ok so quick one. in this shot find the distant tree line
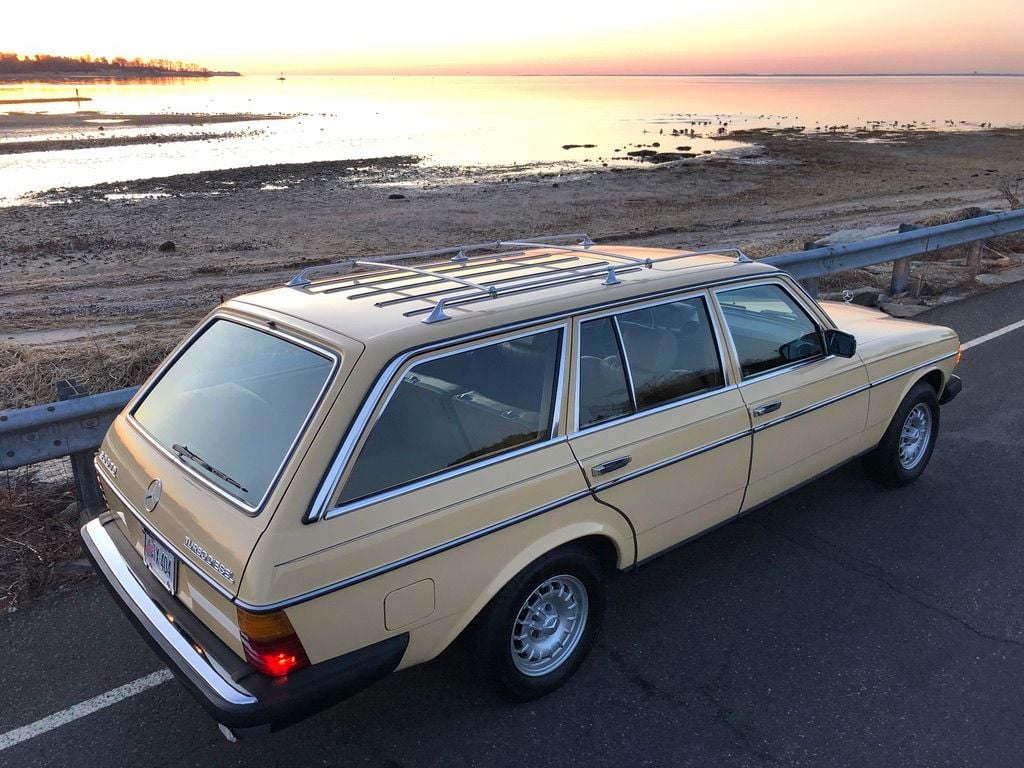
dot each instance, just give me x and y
(41, 63)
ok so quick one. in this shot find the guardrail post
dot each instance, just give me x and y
(87, 487)
(901, 267)
(974, 251)
(810, 284)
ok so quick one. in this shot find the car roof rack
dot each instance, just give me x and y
(447, 289)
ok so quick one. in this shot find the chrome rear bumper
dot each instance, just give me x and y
(231, 691)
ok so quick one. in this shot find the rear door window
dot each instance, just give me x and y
(645, 358)
(453, 410)
(671, 351)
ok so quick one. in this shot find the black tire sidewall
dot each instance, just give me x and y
(884, 462)
(495, 626)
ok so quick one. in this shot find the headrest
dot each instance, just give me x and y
(648, 349)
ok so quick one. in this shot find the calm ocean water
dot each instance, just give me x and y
(476, 121)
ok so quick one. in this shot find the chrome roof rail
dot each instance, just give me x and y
(550, 270)
(302, 279)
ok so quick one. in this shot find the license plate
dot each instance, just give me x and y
(161, 563)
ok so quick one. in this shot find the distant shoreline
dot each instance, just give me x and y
(47, 76)
(649, 74)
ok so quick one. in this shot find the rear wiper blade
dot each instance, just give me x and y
(183, 450)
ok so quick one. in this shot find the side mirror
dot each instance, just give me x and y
(841, 343)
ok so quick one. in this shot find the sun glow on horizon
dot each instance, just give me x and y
(534, 37)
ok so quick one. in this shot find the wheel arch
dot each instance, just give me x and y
(934, 378)
(591, 526)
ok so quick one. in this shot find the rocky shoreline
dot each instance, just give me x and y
(87, 272)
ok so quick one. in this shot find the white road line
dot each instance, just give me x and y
(57, 719)
(994, 335)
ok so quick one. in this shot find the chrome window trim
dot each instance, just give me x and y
(558, 400)
(505, 486)
(480, 533)
(784, 369)
(627, 370)
(317, 509)
(717, 336)
(414, 558)
(650, 411)
(674, 460)
(389, 380)
(222, 590)
(416, 485)
(249, 509)
(811, 315)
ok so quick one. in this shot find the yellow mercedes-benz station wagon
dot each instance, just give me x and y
(334, 479)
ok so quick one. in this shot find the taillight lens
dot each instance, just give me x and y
(270, 643)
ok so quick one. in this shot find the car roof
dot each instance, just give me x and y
(490, 291)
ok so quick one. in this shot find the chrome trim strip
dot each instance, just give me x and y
(133, 590)
(892, 376)
(674, 460)
(852, 392)
(563, 371)
(163, 539)
(656, 409)
(417, 485)
(317, 509)
(785, 369)
(810, 408)
(251, 510)
(415, 558)
(329, 486)
(626, 367)
(718, 336)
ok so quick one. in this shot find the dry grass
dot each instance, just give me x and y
(30, 374)
(38, 529)
(38, 537)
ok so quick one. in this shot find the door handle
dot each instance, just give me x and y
(610, 466)
(763, 410)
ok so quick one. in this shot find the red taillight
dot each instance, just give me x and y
(270, 643)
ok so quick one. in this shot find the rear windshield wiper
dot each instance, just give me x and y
(182, 450)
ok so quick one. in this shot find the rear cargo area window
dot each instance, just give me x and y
(457, 409)
(232, 404)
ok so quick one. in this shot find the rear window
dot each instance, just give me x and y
(233, 404)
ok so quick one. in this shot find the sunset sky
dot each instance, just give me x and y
(536, 36)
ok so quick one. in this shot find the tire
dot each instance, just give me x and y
(528, 655)
(907, 445)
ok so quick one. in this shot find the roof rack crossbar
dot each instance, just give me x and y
(434, 315)
(576, 248)
(301, 280)
(406, 297)
(488, 289)
(496, 267)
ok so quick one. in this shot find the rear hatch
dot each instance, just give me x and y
(192, 468)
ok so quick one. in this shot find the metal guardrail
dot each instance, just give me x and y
(44, 432)
(878, 250)
(75, 427)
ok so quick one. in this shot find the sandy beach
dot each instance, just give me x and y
(87, 293)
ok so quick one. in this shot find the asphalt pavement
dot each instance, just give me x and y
(844, 625)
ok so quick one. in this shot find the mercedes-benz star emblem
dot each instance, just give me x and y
(152, 497)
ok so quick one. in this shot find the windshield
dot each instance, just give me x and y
(233, 403)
